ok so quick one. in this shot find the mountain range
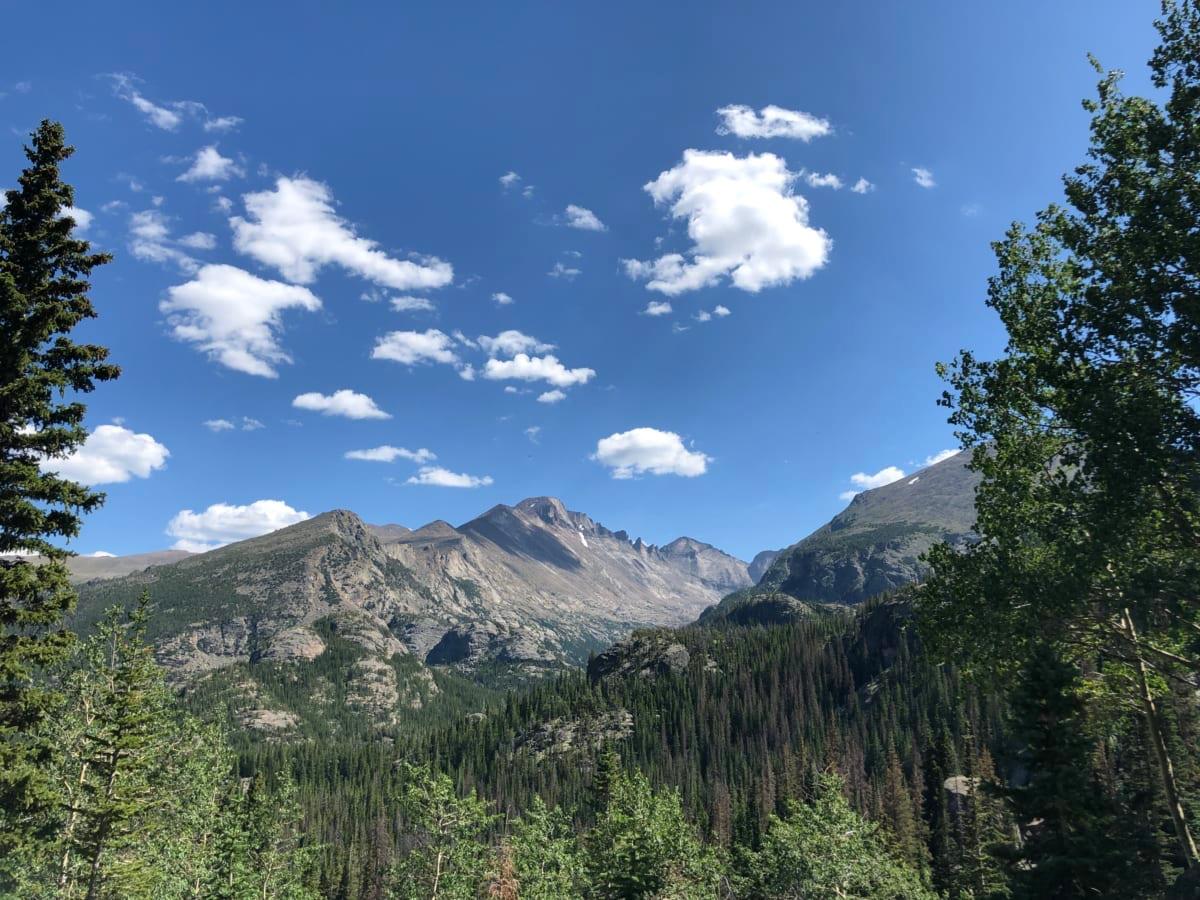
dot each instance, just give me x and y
(519, 591)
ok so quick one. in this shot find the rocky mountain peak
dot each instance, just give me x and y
(549, 509)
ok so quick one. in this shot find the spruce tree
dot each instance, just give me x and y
(44, 271)
(1072, 843)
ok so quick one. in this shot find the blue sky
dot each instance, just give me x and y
(365, 164)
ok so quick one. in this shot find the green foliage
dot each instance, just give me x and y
(546, 858)
(1077, 842)
(824, 849)
(643, 846)
(43, 296)
(447, 859)
(1086, 431)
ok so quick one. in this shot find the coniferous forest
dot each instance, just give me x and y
(1023, 723)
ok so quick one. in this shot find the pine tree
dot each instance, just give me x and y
(1072, 843)
(642, 846)
(44, 274)
(120, 752)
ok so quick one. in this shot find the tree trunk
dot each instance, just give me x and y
(1187, 845)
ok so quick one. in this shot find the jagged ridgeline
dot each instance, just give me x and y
(334, 625)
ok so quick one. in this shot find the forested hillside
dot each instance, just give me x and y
(979, 682)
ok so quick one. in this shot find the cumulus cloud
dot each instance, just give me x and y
(100, 554)
(345, 403)
(414, 347)
(721, 311)
(83, 218)
(862, 186)
(703, 316)
(436, 476)
(657, 308)
(223, 523)
(501, 298)
(744, 220)
(512, 342)
(553, 396)
(583, 218)
(818, 180)
(217, 425)
(509, 179)
(866, 482)
(387, 453)
(940, 456)
(234, 317)
(111, 454)
(648, 450)
(771, 122)
(210, 165)
(923, 177)
(296, 229)
(523, 367)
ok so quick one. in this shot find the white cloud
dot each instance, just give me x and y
(771, 122)
(561, 271)
(210, 165)
(657, 308)
(439, 477)
(532, 432)
(744, 220)
(111, 455)
(387, 453)
(100, 554)
(886, 475)
(234, 316)
(703, 316)
(848, 495)
(817, 180)
(199, 240)
(223, 523)
(721, 311)
(940, 456)
(642, 450)
(345, 403)
(150, 241)
(501, 298)
(169, 116)
(408, 303)
(463, 339)
(249, 424)
(414, 347)
(553, 396)
(512, 342)
(862, 186)
(159, 116)
(583, 218)
(296, 229)
(218, 425)
(222, 123)
(523, 367)
(923, 177)
(83, 218)
(223, 204)
(509, 179)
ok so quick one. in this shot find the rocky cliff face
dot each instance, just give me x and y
(875, 544)
(528, 588)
